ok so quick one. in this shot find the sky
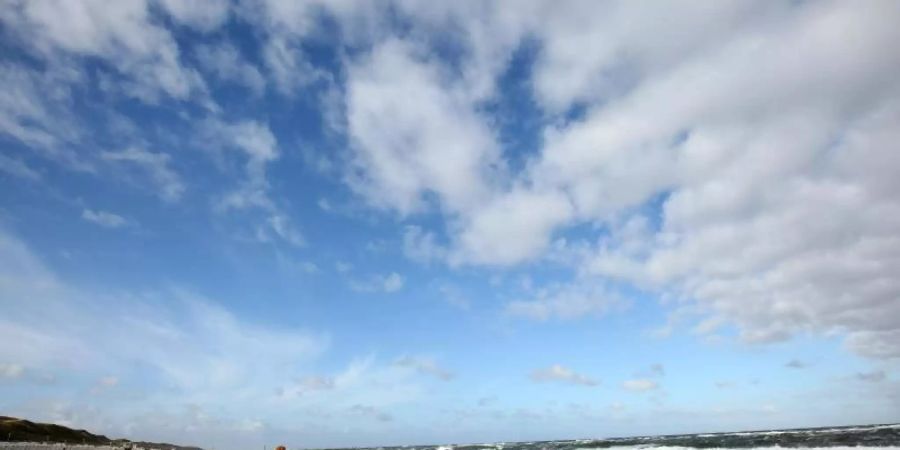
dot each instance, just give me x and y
(237, 223)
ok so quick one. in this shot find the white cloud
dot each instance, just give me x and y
(279, 225)
(640, 385)
(487, 34)
(287, 65)
(404, 149)
(204, 15)
(122, 33)
(156, 165)
(35, 110)
(566, 74)
(513, 228)
(779, 209)
(558, 373)
(765, 133)
(257, 145)
(743, 229)
(255, 142)
(875, 344)
(743, 161)
(104, 218)
(226, 62)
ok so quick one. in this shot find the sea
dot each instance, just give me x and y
(860, 437)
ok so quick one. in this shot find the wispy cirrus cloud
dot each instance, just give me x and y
(104, 218)
(156, 166)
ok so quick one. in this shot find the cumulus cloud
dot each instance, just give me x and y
(403, 149)
(777, 207)
(513, 228)
(558, 373)
(104, 218)
(744, 230)
(677, 122)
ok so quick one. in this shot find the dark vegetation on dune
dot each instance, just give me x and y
(21, 430)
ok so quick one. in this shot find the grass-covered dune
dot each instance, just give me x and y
(21, 430)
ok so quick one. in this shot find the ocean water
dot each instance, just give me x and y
(881, 437)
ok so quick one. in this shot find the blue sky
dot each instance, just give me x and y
(240, 223)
